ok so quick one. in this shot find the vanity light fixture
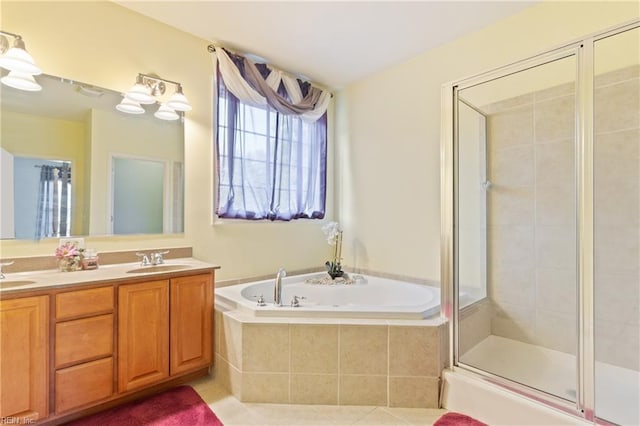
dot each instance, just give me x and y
(19, 63)
(147, 90)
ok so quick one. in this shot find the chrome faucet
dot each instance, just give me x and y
(156, 257)
(144, 259)
(277, 288)
(153, 258)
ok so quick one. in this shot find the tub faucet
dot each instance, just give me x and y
(277, 288)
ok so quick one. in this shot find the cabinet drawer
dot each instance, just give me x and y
(83, 339)
(84, 302)
(83, 384)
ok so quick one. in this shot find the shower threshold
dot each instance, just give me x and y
(617, 389)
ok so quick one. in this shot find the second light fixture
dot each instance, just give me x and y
(147, 90)
(20, 64)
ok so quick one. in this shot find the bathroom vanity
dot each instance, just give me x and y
(75, 343)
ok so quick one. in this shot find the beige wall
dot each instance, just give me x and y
(104, 44)
(388, 132)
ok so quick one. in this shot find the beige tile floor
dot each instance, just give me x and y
(235, 413)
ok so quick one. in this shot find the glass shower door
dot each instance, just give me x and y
(515, 226)
(617, 227)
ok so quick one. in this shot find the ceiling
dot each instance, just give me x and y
(332, 43)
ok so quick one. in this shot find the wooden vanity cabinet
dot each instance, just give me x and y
(191, 322)
(68, 352)
(83, 347)
(24, 359)
(164, 329)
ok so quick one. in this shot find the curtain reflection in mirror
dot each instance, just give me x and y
(48, 215)
(53, 219)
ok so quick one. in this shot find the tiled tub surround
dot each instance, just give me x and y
(306, 359)
(531, 220)
(395, 363)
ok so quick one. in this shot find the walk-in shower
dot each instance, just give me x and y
(541, 225)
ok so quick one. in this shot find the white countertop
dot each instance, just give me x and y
(52, 278)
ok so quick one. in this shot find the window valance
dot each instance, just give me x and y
(259, 84)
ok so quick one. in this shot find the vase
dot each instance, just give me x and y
(69, 264)
(336, 274)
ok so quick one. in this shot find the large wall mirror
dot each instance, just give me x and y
(74, 165)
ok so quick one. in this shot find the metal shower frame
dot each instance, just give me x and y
(583, 51)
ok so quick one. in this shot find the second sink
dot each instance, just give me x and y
(156, 268)
(14, 283)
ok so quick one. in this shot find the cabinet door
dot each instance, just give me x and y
(191, 322)
(143, 334)
(24, 358)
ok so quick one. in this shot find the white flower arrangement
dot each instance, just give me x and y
(334, 238)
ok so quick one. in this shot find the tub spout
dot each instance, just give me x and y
(277, 288)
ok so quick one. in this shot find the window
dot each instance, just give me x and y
(270, 165)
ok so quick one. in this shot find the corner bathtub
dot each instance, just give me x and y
(367, 297)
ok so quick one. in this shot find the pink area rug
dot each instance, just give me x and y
(176, 407)
(457, 419)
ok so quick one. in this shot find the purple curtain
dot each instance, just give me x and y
(270, 165)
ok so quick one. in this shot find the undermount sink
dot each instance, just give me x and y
(156, 268)
(14, 283)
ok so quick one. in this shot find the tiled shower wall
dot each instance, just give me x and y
(531, 238)
(617, 217)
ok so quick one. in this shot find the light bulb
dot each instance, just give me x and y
(141, 94)
(130, 107)
(166, 113)
(178, 101)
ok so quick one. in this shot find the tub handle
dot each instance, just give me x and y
(295, 302)
(261, 301)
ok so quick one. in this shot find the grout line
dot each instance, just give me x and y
(339, 364)
(388, 362)
(613, 83)
(289, 372)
